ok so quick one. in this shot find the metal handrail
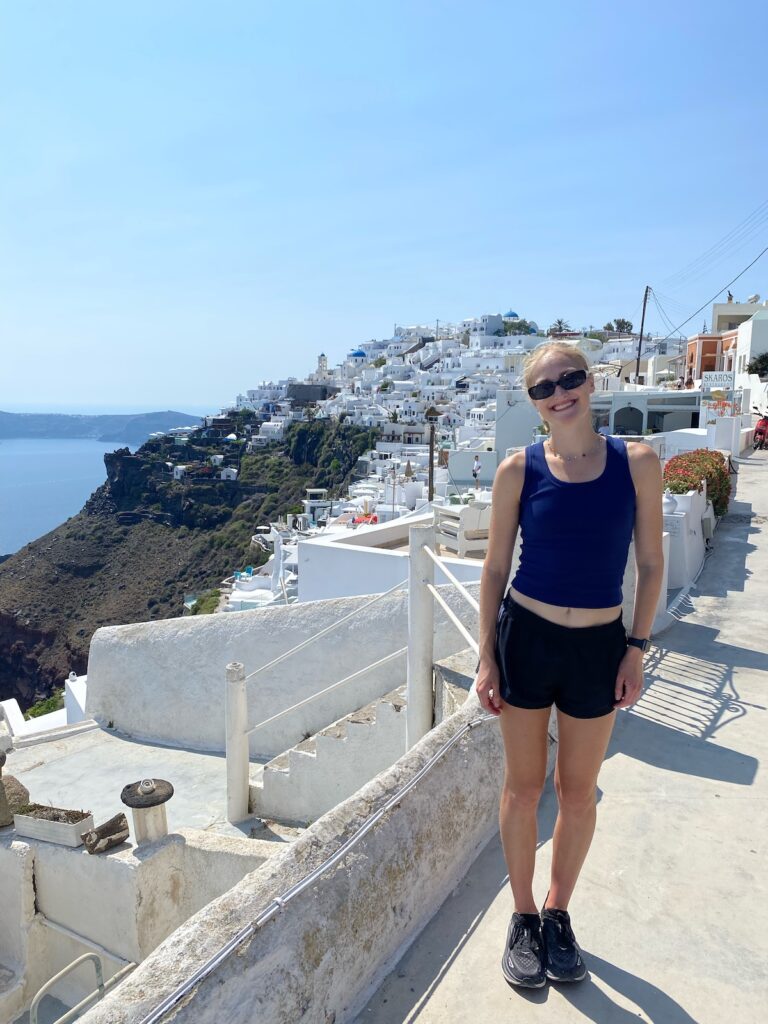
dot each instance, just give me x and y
(109, 984)
(328, 689)
(447, 572)
(279, 902)
(453, 617)
(99, 992)
(328, 629)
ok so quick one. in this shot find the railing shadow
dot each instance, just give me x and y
(691, 696)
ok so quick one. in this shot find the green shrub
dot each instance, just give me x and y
(207, 603)
(685, 472)
(53, 703)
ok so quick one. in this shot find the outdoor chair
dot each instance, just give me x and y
(463, 528)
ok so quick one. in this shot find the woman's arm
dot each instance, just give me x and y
(649, 560)
(505, 510)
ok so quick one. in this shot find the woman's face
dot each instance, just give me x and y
(563, 407)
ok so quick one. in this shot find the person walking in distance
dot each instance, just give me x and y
(476, 467)
(557, 637)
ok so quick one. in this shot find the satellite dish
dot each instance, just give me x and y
(753, 298)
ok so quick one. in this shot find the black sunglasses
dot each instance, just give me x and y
(567, 381)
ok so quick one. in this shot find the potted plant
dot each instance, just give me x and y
(52, 824)
(701, 471)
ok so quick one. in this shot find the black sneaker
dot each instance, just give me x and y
(563, 957)
(523, 960)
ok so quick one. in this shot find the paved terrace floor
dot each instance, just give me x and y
(89, 770)
(671, 905)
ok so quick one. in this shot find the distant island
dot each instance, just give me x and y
(133, 428)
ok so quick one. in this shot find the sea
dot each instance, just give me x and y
(43, 483)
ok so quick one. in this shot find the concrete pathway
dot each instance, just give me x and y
(671, 905)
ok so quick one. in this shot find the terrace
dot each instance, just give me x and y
(395, 928)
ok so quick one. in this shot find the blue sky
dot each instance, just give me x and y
(197, 196)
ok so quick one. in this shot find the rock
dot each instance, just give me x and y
(12, 795)
(16, 794)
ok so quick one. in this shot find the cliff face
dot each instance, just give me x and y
(87, 573)
(143, 541)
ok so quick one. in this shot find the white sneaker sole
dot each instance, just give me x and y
(517, 982)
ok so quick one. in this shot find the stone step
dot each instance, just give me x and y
(454, 679)
(309, 779)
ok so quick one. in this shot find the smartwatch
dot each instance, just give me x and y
(633, 641)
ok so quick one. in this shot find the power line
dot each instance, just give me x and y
(674, 304)
(661, 311)
(724, 259)
(721, 290)
(738, 236)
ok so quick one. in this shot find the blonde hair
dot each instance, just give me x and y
(549, 348)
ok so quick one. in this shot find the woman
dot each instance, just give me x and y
(557, 637)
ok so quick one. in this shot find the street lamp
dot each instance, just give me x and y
(432, 416)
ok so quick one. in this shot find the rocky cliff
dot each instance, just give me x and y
(144, 540)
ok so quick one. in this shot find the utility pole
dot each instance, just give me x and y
(642, 328)
(431, 474)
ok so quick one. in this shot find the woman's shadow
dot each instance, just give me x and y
(596, 1004)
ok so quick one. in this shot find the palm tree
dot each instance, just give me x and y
(559, 327)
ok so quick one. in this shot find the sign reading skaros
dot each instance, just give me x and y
(712, 379)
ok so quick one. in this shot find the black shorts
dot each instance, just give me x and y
(541, 663)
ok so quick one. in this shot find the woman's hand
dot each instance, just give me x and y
(629, 679)
(487, 687)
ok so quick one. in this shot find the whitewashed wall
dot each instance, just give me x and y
(164, 681)
(460, 463)
(17, 910)
(319, 959)
(343, 566)
(127, 901)
(516, 419)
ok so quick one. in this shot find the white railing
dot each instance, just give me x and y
(422, 595)
(236, 708)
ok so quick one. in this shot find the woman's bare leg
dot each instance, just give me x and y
(581, 747)
(525, 751)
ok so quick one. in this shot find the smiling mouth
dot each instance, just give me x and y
(562, 405)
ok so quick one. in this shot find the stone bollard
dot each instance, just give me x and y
(147, 801)
(6, 818)
(236, 713)
(421, 626)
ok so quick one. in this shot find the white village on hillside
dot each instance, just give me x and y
(309, 783)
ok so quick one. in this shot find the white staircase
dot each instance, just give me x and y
(321, 771)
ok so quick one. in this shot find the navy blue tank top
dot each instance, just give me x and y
(575, 537)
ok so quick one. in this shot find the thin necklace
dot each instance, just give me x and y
(581, 455)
